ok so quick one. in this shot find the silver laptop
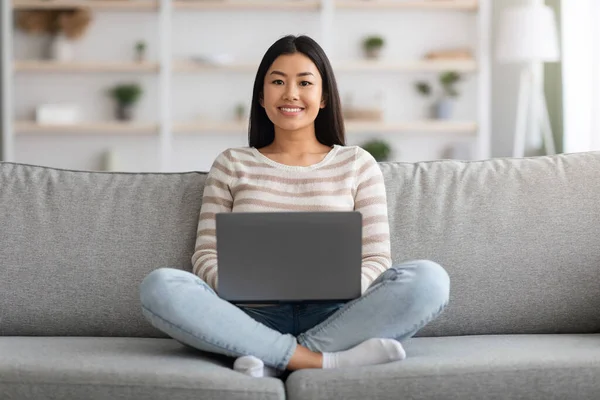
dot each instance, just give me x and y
(277, 257)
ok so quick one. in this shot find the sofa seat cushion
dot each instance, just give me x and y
(468, 367)
(121, 368)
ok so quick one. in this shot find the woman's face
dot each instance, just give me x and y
(292, 92)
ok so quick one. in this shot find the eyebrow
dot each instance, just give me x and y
(285, 75)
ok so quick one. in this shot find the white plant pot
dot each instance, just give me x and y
(62, 49)
(444, 108)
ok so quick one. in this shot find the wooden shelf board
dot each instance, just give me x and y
(53, 66)
(264, 5)
(184, 66)
(109, 5)
(405, 66)
(24, 127)
(349, 66)
(459, 5)
(433, 126)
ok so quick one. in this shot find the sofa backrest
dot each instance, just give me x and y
(75, 245)
(520, 239)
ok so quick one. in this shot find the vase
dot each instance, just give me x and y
(443, 108)
(373, 53)
(124, 112)
(61, 49)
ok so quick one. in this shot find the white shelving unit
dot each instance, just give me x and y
(166, 68)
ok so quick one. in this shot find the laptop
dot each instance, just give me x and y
(281, 257)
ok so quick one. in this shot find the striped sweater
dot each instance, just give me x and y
(245, 180)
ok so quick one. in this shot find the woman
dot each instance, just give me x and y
(297, 161)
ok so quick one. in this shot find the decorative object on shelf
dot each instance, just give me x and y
(363, 114)
(372, 46)
(64, 27)
(240, 112)
(140, 51)
(110, 161)
(379, 149)
(350, 111)
(61, 114)
(528, 37)
(125, 95)
(450, 54)
(442, 108)
(214, 59)
(445, 104)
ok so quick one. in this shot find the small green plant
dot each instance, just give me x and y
(379, 149)
(240, 111)
(140, 50)
(448, 80)
(373, 42)
(126, 94)
(140, 46)
(423, 87)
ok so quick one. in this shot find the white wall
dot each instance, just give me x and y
(213, 95)
(505, 81)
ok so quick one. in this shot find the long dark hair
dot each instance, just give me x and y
(329, 125)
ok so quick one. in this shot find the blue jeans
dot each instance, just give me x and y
(397, 304)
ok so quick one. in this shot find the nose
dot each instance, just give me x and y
(291, 93)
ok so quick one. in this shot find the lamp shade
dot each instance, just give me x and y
(527, 33)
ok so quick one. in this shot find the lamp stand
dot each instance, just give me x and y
(531, 103)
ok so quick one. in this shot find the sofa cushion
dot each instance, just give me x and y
(121, 368)
(477, 367)
(520, 239)
(75, 245)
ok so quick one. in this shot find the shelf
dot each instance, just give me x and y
(53, 66)
(108, 5)
(459, 5)
(405, 66)
(263, 5)
(185, 66)
(193, 67)
(456, 127)
(426, 126)
(24, 127)
(349, 66)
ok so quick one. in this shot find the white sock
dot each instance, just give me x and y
(252, 366)
(369, 352)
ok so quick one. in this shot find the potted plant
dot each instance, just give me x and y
(373, 45)
(125, 95)
(140, 51)
(240, 112)
(444, 105)
(442, 108)
(379, 149)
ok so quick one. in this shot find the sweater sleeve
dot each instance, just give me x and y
(216, 198)
(371, 201)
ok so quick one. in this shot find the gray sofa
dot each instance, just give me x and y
(520, 239)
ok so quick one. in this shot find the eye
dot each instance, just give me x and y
(305, 83)
(277, 82)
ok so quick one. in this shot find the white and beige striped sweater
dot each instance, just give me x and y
(245, 180)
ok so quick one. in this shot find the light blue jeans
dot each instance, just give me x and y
(399, 302)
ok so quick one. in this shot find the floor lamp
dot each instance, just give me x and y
(528, 36)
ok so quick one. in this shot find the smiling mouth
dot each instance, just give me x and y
(290, 110)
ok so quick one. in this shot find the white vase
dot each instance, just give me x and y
(61, 49)
(444, 108)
